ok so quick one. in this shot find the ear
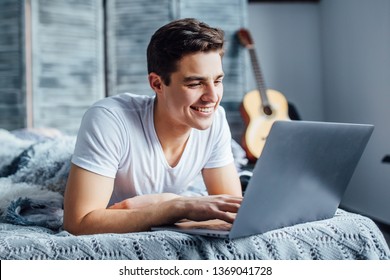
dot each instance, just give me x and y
(155, 82)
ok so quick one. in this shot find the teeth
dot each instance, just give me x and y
(203, 109)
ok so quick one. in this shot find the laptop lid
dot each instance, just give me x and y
(301, 176)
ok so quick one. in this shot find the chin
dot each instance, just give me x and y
(203, 126)
(202, 122)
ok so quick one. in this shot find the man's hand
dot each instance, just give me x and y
(223, 207)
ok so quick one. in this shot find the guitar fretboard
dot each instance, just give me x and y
(259, 77)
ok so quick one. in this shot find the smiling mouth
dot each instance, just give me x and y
(203, 109)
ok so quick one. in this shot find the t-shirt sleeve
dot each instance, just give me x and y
(99, 142)
(221, 154)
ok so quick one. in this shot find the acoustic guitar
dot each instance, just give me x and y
(260, 108)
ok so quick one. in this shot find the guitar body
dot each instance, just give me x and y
(258, 124)
(260, 108)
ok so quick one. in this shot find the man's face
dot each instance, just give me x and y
(195, 90)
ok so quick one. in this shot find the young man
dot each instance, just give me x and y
(135, 154)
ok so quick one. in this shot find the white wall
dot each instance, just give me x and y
(356, 68)
(287, 42)
(332, 60)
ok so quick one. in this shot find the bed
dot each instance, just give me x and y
(33, 170)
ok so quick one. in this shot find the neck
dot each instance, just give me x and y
(173, 138)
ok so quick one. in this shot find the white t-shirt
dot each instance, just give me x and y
(117, 139)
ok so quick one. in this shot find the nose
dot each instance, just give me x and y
(211, 93)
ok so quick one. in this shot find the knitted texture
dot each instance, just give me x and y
(345, 236)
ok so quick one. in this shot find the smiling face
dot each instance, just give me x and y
(193, 94)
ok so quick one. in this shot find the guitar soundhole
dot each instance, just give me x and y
(267, 110)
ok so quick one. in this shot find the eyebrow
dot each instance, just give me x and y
(199, 78)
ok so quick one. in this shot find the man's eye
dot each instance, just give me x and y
(217, 82)
(194, 85)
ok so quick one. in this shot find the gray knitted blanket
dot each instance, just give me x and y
(33, 172)
(346, 236)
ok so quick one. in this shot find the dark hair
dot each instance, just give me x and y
(178, 38)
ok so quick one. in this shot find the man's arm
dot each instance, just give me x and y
(222, 180)
(87, 195)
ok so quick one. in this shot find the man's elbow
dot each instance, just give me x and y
(71, 226)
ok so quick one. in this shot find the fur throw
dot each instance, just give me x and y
(33, 174)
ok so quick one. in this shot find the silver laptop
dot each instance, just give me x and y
(301, 176)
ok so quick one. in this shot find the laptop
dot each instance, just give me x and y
(301, 176)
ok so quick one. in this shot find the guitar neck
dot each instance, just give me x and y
(259, 78)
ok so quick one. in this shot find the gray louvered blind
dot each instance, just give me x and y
(230, 15)
(12, 94)
(132, 23)
(68, 54)
(68, 60)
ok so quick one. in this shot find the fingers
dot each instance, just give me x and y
(228, 208)
(231, 207)
(226, 216)
(225, 197)
(221, 207)
(227, 203)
